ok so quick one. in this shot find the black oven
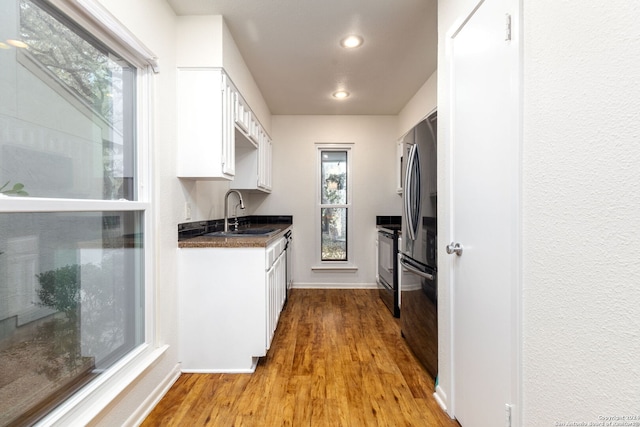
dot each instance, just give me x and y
(387, 269)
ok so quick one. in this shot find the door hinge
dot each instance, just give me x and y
(507, 28)
(507, 414)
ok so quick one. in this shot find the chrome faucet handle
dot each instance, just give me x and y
(235, 215)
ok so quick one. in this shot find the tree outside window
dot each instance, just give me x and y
(334, 205)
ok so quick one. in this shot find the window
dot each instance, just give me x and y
(334, 202)
(72, 216)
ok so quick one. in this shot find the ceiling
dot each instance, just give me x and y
(292, 48)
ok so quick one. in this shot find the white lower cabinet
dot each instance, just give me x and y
(276, 291)
(230, 301)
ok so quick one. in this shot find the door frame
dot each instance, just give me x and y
(445, 392)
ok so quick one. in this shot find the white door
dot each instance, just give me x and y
(484, 200)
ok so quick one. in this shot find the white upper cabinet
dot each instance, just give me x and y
(253, 165)
(255, 130)
(264, 162)
(206, 115)
(243, 114)
(219, 138)
(218, 132)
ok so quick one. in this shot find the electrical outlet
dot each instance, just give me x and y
(187, 211)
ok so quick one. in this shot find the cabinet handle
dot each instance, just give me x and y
(455, 248)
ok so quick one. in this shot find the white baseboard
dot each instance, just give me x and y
(336, 286)
(441, 398)
(250, 370)
(143, 411)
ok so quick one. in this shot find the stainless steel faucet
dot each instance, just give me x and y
(226, 209)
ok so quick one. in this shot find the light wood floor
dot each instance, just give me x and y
(337, 359)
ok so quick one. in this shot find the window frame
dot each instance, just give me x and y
(90, 400)
(333, 264)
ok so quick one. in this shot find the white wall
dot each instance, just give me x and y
(419, 107)
(294, 188)
(581, 211)
(199, 41)
(243, 79)
(580, 217)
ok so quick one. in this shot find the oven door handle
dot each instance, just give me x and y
(385, 234)
(415, 270)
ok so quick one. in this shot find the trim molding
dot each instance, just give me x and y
(94, 14)
(335, 286)
(441, 398)
(139, 415)
(337, 268)
(94, 398)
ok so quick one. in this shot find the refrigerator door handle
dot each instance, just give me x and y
(412, 192)
(407, 192)
(414, 270)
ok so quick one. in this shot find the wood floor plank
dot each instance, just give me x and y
(337, 359)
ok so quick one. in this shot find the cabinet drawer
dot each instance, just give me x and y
(273, 252)
(270, 257)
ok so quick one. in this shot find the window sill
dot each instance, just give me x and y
(81, 408)
(338, 268)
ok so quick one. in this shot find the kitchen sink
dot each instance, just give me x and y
(247, 232)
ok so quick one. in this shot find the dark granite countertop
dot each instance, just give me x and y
(192, 235)
(236, 242)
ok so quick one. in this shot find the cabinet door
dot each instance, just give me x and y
(254, 131)
(264, 162)
(228, 129)
(243, 114)
(276, 295)
(282, 282)
(268, 166)
(270, 282)
(205, 143)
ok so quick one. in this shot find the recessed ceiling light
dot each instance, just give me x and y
(351, 42)
(4, 46)
(341, 94)
(17, 43)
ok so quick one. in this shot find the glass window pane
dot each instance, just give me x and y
(67, 109)
(71, 302)
(334, 177)
(334, 234)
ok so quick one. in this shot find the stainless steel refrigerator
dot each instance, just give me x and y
(418, 251)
